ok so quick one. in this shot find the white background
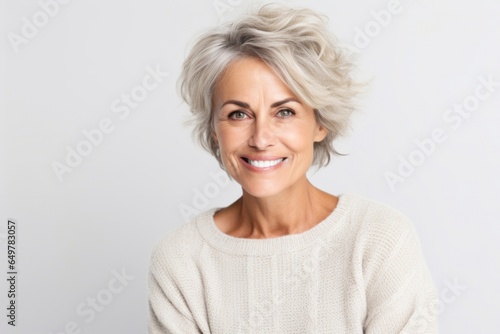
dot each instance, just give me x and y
(133, 187)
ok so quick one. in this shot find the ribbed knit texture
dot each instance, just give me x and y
(359, 271)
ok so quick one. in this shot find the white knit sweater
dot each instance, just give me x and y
(359, 271)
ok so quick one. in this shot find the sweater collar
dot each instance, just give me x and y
(319, 234)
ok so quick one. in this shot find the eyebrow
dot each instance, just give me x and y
(246, 105)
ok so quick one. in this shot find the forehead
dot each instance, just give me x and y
(249, 77)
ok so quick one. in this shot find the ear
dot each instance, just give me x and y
(321, 133)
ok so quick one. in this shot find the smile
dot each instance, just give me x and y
(263, 163)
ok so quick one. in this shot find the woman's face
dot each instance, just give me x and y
(264, 132)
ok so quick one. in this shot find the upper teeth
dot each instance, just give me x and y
(264, 163)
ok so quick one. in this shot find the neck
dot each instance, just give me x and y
(294, 211)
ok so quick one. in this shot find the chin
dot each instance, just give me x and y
(262, 190)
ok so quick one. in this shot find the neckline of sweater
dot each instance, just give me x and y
(321, 234)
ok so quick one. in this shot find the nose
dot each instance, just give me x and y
(262, 135)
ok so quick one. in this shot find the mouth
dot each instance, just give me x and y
(263, 163)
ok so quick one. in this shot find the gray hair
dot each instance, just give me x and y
(298, 46)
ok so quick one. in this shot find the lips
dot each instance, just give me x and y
(267, 163)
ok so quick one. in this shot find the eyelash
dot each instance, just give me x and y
(292, 113)
(232, 114)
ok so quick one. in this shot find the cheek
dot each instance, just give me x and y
(225, 138)
(230, 140)
(299, 138)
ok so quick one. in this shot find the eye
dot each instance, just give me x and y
(237, 115)
(285, 113)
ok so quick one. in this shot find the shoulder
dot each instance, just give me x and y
(385, 241)
(374, 216)
(378, 226)
(182, 244)
(389, 266)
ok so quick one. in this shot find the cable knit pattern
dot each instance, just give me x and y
(360, 270)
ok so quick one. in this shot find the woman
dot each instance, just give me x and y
(270, 92)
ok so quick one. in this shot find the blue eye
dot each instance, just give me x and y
(237, 115)
(285, 113)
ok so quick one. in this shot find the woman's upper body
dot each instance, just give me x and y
(358, 271)
(270, 92)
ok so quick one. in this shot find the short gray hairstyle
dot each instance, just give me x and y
(298, 46)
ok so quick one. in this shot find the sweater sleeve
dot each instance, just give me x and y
(164, 316)
(169, 312)
(400, 294)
